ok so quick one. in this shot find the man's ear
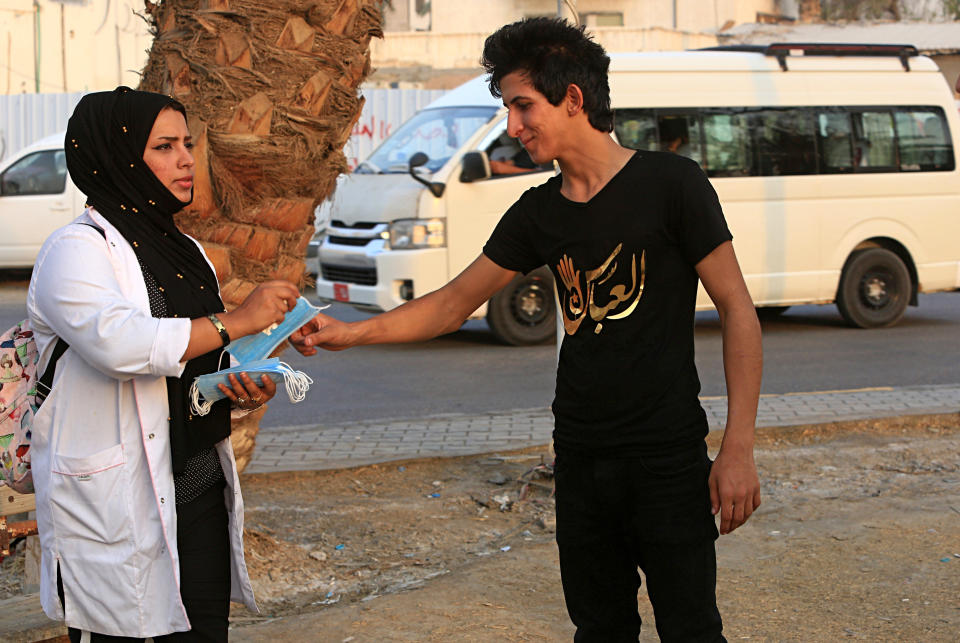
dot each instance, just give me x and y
(574, 99)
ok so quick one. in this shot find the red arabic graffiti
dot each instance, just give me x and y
(372, 128)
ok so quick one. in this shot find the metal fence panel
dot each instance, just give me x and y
(25, 118)
(384, 111)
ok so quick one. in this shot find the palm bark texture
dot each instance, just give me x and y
(271, 89)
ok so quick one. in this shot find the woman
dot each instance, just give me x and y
(138, 501)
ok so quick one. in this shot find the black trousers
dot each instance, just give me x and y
(203, 543)
(651, 512)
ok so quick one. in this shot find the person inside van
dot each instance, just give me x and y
(627, 234)
(507, 156)
(138, 500)
(674, 136)
(935, 151)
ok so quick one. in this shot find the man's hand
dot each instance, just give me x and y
(734, 486)
(323, 331)
(437, 312)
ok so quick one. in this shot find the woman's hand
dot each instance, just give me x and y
(264, 306)
(246, 394)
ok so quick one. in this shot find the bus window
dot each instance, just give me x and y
(924, 141)
(784, 141)
(680, 134)
(636, 128)
(833, 136)
(728, 148)
(873, 148)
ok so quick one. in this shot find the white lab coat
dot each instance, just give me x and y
(100, 446)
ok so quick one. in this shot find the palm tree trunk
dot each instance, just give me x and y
(271, 93)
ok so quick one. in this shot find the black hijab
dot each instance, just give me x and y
(105, 141)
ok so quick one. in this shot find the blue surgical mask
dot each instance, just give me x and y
(259, 346)
(297, 383)
(252, 353)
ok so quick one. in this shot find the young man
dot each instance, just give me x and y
(627, 234)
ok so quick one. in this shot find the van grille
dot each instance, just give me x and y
(348, 241)
(359, 225)
(349, 274)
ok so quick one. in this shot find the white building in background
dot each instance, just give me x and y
(459, 16)
(71, 45)
(437, 43)
(89, 45)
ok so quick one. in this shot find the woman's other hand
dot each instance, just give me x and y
(246, 394)
(264, 306)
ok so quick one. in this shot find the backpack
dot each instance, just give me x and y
(21, 394)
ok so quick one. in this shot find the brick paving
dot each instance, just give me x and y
(315, 447)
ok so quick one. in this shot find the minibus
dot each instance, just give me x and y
(835, 166)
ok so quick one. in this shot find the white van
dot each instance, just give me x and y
(391, 238)
(835, 165)
(36, 197)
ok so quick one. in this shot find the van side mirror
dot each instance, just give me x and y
(476, 167)
(418, 159)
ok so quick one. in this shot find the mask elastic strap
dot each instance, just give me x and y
(297, 383)
(196, 406)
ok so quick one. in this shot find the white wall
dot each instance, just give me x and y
(462, 50)
(100, 44)
(460, 16)
(93, 45)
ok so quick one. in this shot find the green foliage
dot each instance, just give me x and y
(862, 9)
(951, 9)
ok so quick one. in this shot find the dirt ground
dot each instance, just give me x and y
(858, 537)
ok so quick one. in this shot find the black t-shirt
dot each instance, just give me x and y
(624, 269)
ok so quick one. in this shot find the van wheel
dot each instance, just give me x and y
(874, 289)
(524, 313)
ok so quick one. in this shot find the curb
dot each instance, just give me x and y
(361, 443)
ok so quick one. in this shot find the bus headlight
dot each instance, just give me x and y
(406, 234)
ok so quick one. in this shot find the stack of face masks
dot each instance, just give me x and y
(252, 354)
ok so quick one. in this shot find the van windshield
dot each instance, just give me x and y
(438, 133)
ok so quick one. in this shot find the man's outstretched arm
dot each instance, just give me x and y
(436, 313)
(734, 485)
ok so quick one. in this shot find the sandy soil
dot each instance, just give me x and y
(858, 537)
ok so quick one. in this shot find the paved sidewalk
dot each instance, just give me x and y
(314, 447)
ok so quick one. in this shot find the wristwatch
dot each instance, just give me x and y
(224, 335)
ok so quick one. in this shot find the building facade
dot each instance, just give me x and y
(459, 16)
(71, 45)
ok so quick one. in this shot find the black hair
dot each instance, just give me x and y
(176, 106)
(553, 54)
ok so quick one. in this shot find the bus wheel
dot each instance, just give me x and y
(874, 289)
(523, 312)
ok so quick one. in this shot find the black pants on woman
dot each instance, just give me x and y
(203, 543)
(653, 512)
